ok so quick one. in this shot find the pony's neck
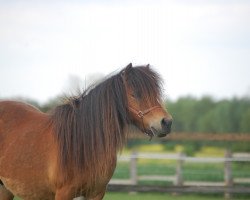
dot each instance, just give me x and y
(90, 130)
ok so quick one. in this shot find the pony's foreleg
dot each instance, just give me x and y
(5, 194)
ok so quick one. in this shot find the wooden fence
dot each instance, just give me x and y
(179, 184)
(225, 137)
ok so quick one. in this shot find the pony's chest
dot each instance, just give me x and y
(30, 190)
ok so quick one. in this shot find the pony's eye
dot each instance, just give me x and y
(133, 95)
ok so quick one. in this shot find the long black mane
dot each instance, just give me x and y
(90, 128)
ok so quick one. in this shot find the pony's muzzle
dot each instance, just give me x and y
(162, 128)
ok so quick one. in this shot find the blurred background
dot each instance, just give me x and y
(200, 48)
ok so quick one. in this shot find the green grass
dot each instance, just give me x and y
(158, 196)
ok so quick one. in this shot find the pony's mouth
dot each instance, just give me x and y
(158, 133)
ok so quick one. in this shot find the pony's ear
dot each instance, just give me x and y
(126, 70)
(129, 66)
(147, 66)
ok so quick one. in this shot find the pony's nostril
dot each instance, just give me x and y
(166, 123)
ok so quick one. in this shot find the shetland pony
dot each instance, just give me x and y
(71, 151)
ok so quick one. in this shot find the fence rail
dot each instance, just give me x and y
(179, 184)
(225, 137)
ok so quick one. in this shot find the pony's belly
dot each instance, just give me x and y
(28, 191)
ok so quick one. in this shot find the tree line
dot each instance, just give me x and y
(210, 116)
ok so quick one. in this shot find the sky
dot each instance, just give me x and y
(198, 47)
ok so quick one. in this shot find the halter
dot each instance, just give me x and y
(141, 115)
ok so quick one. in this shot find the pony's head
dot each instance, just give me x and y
(144, 96)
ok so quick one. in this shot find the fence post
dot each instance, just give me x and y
(179, 176)
(133, 168)
(228, 178)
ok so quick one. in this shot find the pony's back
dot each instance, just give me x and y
(14, 115)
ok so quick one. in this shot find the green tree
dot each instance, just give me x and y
(183, 113)
(207, 115)
(245, 122)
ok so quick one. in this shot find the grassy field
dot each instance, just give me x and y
(152, 196)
